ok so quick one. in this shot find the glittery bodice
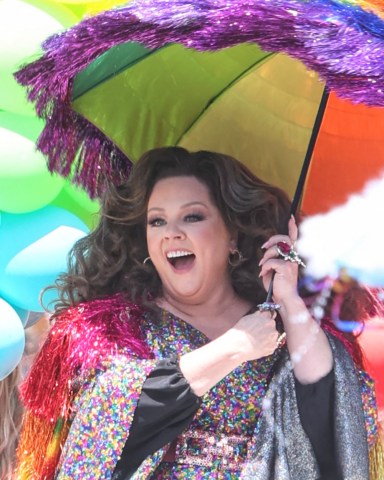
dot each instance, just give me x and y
(232, 407)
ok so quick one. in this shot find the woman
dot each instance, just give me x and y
(164, 362)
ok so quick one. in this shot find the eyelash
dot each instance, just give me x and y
(156, 222)
(159, 222)
(198, 217)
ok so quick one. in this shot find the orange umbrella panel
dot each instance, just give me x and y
(349, 152)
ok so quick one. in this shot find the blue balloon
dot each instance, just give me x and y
(34, 248)
(23, 314)
(17, 231)
(12, 339)
(36, 267)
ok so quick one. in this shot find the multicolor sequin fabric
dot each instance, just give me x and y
(231, 408)
(231, 424)
(104, 414)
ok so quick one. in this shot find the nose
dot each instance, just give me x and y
(173, 231)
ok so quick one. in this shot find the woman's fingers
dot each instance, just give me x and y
(260, 334)
(290, 238)
(292, 230)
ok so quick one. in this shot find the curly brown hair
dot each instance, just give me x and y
(110, 259)
(11, 411)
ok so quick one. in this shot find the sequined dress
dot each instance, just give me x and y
(228, 412)
(92, 374)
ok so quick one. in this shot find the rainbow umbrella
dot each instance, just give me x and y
(274, 84)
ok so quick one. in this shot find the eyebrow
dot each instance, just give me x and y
(186, 205)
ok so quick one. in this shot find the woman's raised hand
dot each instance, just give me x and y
(286, 272)
(307, 343)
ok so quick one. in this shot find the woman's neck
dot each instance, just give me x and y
(212, 317)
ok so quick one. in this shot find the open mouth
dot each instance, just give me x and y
(180, 259)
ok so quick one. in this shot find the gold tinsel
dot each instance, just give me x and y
(376, 461)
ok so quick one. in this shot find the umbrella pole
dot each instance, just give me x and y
(268, 304)
(308, 156)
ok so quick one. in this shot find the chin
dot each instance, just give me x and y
(187, 295)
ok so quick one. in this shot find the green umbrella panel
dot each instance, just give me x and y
(242, 101)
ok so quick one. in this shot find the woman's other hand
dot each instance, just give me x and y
(255, 335)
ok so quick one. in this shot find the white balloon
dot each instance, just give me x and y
(12, 339)
(25, 182)
(23, 28)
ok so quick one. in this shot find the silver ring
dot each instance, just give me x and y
(288, 253)
(268, 307)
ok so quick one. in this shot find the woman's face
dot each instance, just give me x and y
(188, 241)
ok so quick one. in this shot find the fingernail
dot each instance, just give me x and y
(261, 262)
(264, 245)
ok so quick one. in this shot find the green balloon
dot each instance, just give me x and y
(29, 127)
(23, 27)
(13, 96)
(81, 198)
(64, 14)
(25, 182)
(89, 215)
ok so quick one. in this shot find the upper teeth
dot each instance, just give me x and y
(178, 253)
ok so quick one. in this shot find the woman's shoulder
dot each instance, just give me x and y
(98, 308)
(80, 340)
(101, 325)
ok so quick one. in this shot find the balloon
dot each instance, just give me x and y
(23, 314)
(23, 27)
(25, 182)
(19, 231)
(81, 197)
(93, 1)
(33, 252)
(64, 14)
(77, 201)
(29, 127)
(12, 339)
(37, 267)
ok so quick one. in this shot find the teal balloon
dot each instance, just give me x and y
(12, 339)
(34, 252)
(25, 182)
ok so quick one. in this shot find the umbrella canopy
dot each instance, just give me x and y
(155, 73)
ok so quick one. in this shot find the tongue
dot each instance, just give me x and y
(183, 262)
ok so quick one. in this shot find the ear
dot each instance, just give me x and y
(232, 244)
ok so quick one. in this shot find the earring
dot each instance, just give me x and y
(236, 259)
(146, 260)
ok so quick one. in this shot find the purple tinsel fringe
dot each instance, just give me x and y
(339, 40)
(76, 148)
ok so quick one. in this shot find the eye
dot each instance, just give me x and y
(156, 222)
(194, 217)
